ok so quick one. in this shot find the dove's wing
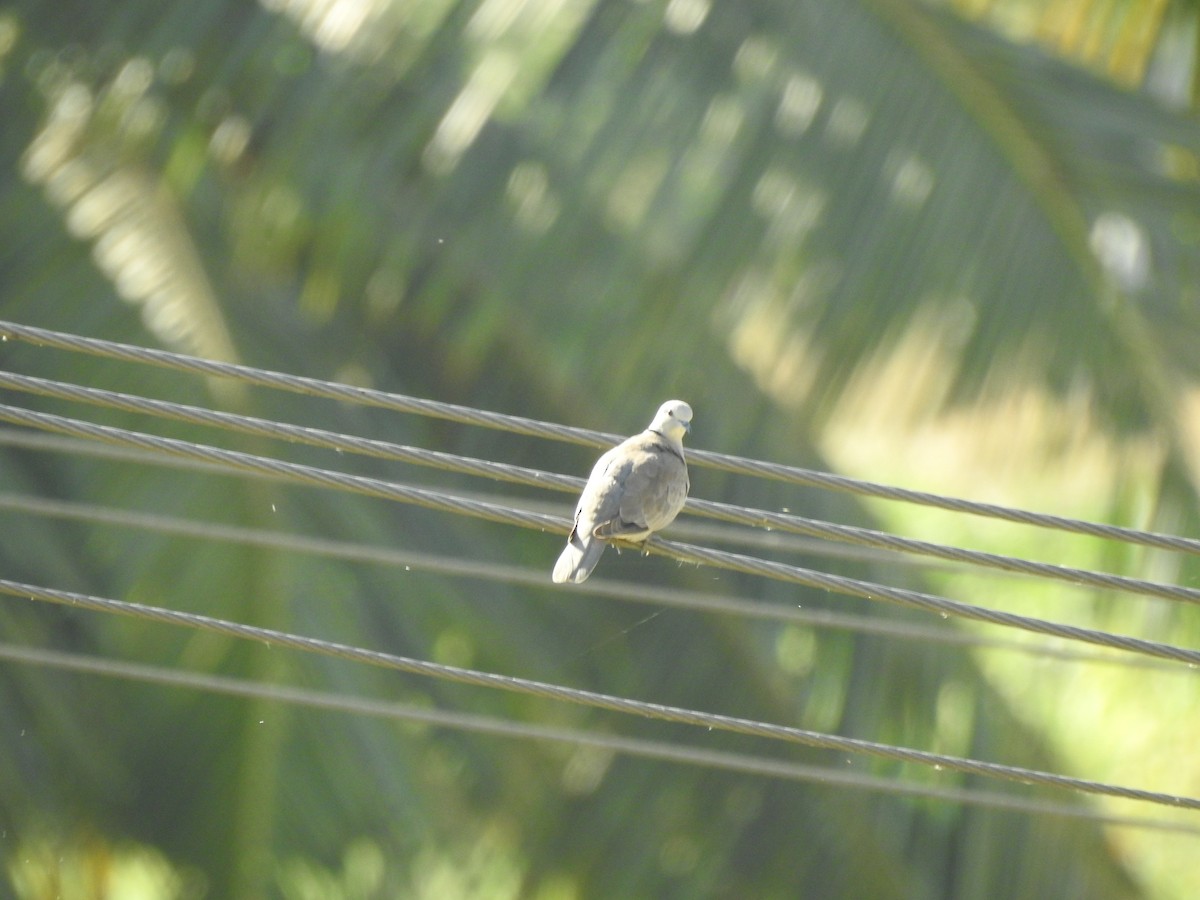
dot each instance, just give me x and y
(601, 499)
(651, 484)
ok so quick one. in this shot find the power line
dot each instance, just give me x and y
(453, 503)
(536, 578)
(742, 763)
(80, 447)
(225, 461)
(523, 475)
(521, 425)
(679, 715)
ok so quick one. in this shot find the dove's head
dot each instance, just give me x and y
(673, 420)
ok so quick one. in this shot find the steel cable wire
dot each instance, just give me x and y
(522, 425)
(758, 518)
(743, 763)
(593, 699)
(453, 503)
(683, 552)
(526, 576)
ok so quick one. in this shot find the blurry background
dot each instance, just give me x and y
(952, 246)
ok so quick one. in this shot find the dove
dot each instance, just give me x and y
(636, 488)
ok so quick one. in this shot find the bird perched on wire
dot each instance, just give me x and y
(636, 488)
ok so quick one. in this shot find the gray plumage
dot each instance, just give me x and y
(636, 488)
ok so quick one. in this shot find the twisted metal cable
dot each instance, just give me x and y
(299, 434)
(758, 518)
(521, 425)
(464, 567)
(743, 763)
(594, 699)
(430, 499)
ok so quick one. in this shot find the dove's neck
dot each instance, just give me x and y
(675, 442)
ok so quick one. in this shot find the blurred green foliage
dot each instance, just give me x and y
(566, 210)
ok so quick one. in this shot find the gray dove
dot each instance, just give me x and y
(636, 488)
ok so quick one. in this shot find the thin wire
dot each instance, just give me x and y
(521, 425)
(742, 763)
(724, 512)
(758, 539)
(54, 443)
(464, 567)
(593, 699)
(758, 518)
(452, 503)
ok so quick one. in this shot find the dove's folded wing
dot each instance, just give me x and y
(655, 488)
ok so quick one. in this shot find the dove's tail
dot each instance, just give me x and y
(577, 560)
